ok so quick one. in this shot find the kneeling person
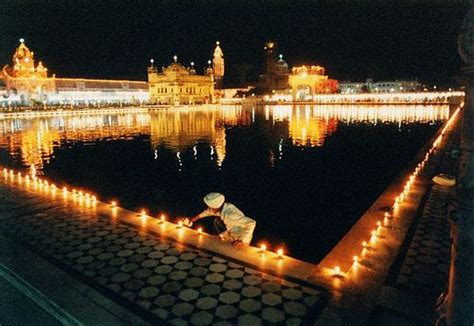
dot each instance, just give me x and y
(230, 222)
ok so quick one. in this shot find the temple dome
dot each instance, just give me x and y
(176, 67)
(282, 62)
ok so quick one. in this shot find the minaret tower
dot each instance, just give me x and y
(218, 65)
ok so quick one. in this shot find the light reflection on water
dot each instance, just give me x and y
(274, 161)
(35, 139)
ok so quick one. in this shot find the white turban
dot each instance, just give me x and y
(214, 200)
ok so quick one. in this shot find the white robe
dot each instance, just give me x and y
(239, 226)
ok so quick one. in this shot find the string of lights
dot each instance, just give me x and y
(399, 200)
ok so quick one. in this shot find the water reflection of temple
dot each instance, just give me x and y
(34, 140)
(310, 125)
(181, 129)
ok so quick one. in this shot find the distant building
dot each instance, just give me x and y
(306, 81)
(177, 84)
(218, 66)
(26, 83)
(369, 86)
(276, 72)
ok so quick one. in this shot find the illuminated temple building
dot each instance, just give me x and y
(177, 84)
(306, 81)
(27, 83)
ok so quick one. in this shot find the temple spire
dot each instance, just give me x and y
(218, 65)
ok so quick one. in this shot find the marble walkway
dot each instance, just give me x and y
(156, 278)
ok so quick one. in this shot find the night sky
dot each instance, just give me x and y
(354, 40)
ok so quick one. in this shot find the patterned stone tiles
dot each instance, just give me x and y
(426, 264)
(164, 279)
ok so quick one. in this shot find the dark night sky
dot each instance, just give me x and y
(352, 39)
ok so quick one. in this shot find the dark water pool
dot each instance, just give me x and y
(305, 174)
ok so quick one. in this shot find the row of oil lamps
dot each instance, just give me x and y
(90, 199)
(401, 197)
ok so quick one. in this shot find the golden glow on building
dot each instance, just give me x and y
(27, 82)
(177, 84)
(218, 65)
(306, 81)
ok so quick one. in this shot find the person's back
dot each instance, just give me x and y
(238, 226)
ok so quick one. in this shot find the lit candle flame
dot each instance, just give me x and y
(355, 258)
(163, 218)
(263, 247)
(280, 252)
(113, 203)
(337, 271)
(199, 230)
(364, 244)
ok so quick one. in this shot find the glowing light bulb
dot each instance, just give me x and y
(337, 271)
(280, 252)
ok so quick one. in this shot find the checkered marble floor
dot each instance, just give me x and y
(426, 264)
(161, 279)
